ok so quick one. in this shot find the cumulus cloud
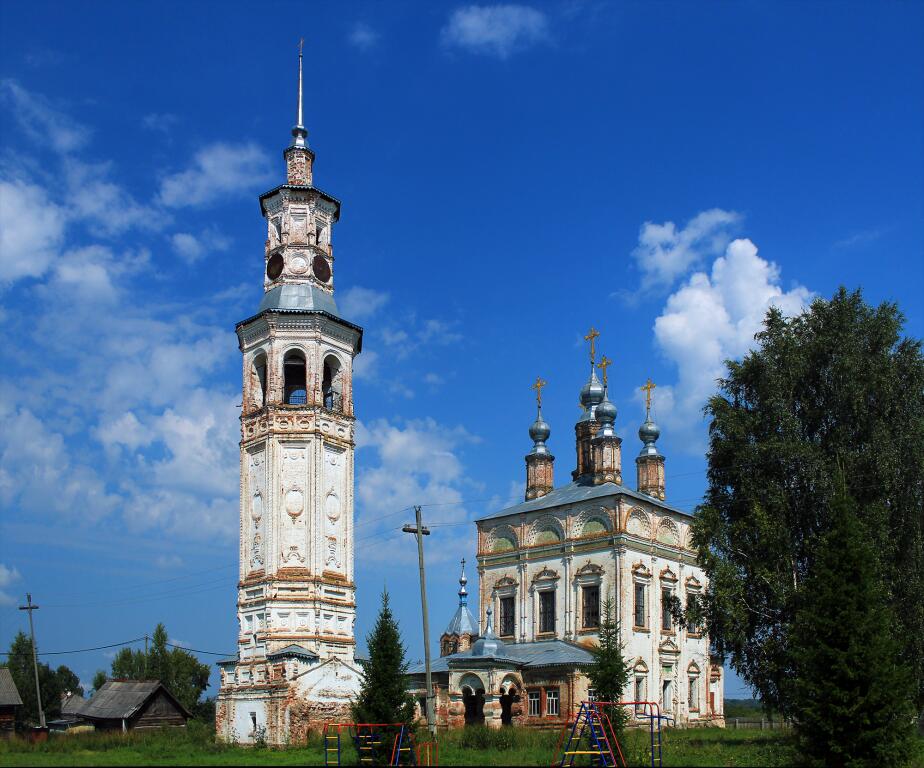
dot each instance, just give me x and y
(7, 576)
(218, 170)
(666, 252)
(714, 317)
(192, 248)
(365, 365)
(31, 230)
(495, 30)
(358, 303)
(363, 36)
(41, 121)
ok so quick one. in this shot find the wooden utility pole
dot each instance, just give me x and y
(29, 606)
(420, 532)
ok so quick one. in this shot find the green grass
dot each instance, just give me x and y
(470, 746)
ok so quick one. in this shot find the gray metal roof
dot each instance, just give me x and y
(72, 704)
(576, 492)
(303, 296)
(9, 695)
(121, 699)
(293, 650)
(462, 623)
(543, 653)
(227, 661)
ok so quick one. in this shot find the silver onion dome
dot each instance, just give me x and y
(592, 393)
(649, 433)
(606, 415)
(539, 432)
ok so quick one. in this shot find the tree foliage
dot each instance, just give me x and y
(851, 701)
(181, 672)
(52, 682)
(837, 383)
(610, 674)
(383, 696)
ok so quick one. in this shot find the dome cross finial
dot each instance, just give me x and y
(299, 134)
(604, 363)
(649, 385)
(592, 335)
(538, 385)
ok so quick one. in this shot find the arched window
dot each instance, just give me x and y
(294, 391)
(331, 384)
(259, 380)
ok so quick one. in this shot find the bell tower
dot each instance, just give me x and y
(296, 597)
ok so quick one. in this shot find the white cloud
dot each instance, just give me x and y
(358, 303)
(39, 120)
(191, 248)
(665, 253)
(218, 170)
(363, 36)
(714, 317)
(93, 197)
(161, 122)
(7, 576)
(31, 230)
(495, 30)
(365, 365)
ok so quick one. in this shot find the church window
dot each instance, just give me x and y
(590, 604)
(551, 702)
(331, 385)
(692, 629)
(693, 693)
(507, 617)
(591, 694)
(640, 613)
(253, 720)
(666, 618)
(295, 391)
(534, 703)
(259, 370)
(547, 610)
(639, 693)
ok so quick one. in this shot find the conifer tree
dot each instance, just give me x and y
(609, 674)
(383, 696)
(852, 695)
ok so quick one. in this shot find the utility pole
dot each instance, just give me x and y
(38, 691)
(420, 531)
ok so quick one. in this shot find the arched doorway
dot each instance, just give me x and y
(473, 699)
(509, 694)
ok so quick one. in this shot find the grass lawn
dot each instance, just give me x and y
(470, 746)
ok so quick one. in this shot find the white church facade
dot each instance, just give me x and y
(296, 602)
(546, 568)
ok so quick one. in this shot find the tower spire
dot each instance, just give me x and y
(299, 134)
(463, 592)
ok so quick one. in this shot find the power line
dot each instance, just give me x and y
(83, 650)
(196, 650)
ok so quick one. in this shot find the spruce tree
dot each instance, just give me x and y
(852, 695)
(609, 674)
(383, 695)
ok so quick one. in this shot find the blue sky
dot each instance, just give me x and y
(510, 176)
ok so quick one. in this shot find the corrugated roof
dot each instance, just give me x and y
(9, 695)
(118, 699)
(576, 492)
(73, 704)
(543, 653)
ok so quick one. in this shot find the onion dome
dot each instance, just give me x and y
(649, 433)
(488, 644)
(592, 393)
(606, 412)
(539, 432)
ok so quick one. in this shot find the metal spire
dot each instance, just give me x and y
(299, 134)
(463, 592)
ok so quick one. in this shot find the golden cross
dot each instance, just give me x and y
(649, 385)
(591, 336)
(604, 363)
(538, 387)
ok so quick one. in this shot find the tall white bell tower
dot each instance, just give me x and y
(296, 602)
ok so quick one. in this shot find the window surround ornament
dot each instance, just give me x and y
(546, 576)
(668, 575)
(640, 572)
(668, 648)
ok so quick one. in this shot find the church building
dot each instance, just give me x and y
(296, 604)
(546, 568)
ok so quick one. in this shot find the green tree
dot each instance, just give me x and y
(51, 682)
(609, 674)
(835, 383)
(99, 679)
(852, 700)
(177, 669)
(383, 695)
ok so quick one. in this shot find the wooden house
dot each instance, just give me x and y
(129, 705)
(9, 701)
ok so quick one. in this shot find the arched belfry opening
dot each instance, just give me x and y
(259, 380)
(332, 384)
(293, 370)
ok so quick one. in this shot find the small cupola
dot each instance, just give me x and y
(650, 463)
(606, 445)
(540, 463)
(592, 394)
(461, 631)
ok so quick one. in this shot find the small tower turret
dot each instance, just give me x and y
(461, 632)
(540, 463)
(586, 428)
(650, 462)
(606, 446)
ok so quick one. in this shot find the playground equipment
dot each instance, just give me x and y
(591, 736)
(377, 742)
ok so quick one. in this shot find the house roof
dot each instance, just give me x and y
(9, 695)
(72, 704)
(122, 699)
(462, 623)
(575, 492)
(544, 653)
